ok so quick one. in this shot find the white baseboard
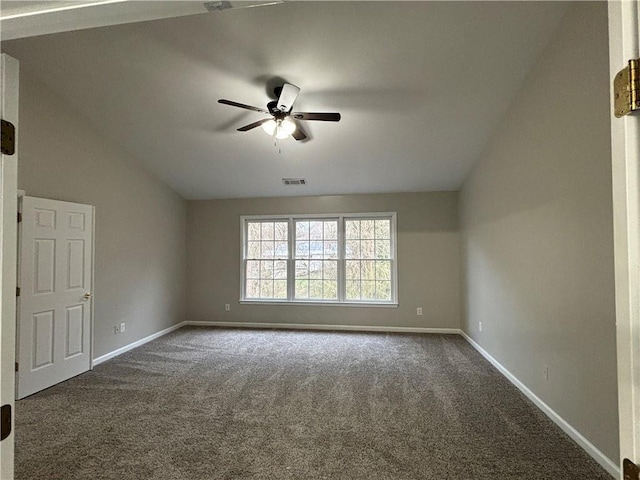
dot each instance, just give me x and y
(318, 326)
(131, 346)
(589, 447)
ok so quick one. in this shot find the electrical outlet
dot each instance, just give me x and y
(546, 373)
(122, 327)
(116, 329)
(419, 311)
(479, 326)
(227, 307)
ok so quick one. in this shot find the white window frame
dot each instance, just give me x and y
(340, 217)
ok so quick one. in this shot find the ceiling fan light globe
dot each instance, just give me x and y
(269, 127)
(288, 126)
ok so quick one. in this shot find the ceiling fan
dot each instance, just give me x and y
(282, 123)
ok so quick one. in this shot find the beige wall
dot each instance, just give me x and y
(536, 217)
(140, 222)
(428, 260)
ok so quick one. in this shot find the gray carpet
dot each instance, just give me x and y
(205, 403)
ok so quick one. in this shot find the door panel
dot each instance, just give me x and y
(54, 328)
(75, 329)
(45, 263)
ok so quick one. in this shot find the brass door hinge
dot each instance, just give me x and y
(8, 138)
(626, 89)
(17, 366)
(630, 470)
(19, 217)
(17, 291)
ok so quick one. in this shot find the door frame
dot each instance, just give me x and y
(625, 157)
(8, 251)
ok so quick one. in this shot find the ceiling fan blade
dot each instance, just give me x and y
(325, 117)
(287, 96)
(242, 105)
(299, 134)
(253, 125)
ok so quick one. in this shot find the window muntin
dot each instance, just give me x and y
(321, 259)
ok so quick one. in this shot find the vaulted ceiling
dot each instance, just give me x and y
(420, 86)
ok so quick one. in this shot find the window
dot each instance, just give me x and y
(267, 254)
(320, 259)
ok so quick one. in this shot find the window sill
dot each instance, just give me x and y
(319, 303)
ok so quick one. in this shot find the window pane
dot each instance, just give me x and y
(266, 269)
(330, 270)
(266, 249)
(367, 270)
(353, 290)
(302, 249)
(302, 230)
(367, 249)
(281, 231)
(253, 288)
(253, 250)
(383, 229)
(383, 270)
(253, 269)
(352, 229)
(302, 289)
(280, 270)
(315, 250)
(331, 249)
(315, 269)
(331, 230)
(352, 249)
(281, 250)
(383, 249)
(266, 289)
(253, 232)
(267, 230)
(352, 269)
(368, 290)
(367, 229)
(316, 230)
(280, 289)
(302, 269)
(383, 291)
(330, 289)
(315, 289)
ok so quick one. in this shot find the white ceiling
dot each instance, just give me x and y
(420, 86)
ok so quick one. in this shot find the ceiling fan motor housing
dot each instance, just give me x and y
(272, 106)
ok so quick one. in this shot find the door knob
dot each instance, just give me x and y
(87, 295)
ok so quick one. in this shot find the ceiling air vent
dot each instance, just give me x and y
(294, 181)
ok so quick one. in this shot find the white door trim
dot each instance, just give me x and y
(625, 153)
(8, 252)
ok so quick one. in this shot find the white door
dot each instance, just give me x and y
(54, 327)
(8, 246)
(625, 150)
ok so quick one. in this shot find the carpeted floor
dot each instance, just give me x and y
(205, 403)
